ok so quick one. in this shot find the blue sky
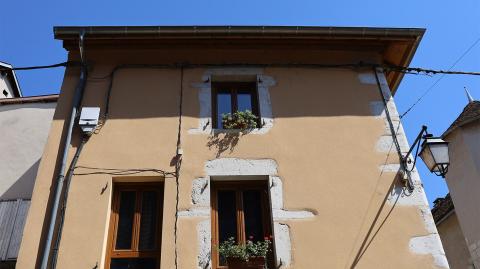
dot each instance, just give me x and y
(26, 39)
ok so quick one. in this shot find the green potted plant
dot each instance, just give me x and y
(251, 255)
(239, 120)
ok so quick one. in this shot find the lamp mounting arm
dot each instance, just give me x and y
(423, 133)
(406, 159)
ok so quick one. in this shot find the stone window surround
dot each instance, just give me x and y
(243, 169)
(264, 83)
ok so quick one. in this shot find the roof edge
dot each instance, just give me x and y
(51, 98)
(125, 32)
(412, 36)
(464, 119)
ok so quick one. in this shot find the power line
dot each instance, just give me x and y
(63, 64)
(387, 67)
(441, 77)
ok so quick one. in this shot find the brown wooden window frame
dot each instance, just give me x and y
(233, 88)
(134, 251)
(267, 221)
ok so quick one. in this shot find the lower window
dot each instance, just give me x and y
(240, 210)
(135, 226)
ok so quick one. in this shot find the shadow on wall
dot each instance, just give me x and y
(23, 187)
(396, 190)
(152, 93)
(225, 140)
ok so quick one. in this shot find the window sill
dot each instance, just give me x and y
(261, 130)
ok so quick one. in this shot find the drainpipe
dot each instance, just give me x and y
(61, 173)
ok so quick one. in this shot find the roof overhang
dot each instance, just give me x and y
(12, 78)
(397, 45)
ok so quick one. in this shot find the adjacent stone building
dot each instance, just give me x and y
(24, 124)
(463, 176)
(9, 87)
(160, 182)
(451, 233)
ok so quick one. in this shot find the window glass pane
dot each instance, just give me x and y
(252, 207)
(148, 222)
(224, 105)
(244, 101)
(227, 217)
(141, 263)
(125, 220)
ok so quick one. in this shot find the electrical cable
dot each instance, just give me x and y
(64, 201)
(178, 166)
(63, 64)
(116, 172)
(397, 145)
(440, 78)
(386, 67)
(389, 118)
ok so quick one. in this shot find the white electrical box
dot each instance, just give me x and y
(89, 119)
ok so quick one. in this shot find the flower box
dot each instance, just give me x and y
(252, 263)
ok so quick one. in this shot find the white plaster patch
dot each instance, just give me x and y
(474, 249)
(423, 245)
(205, 98)
(205, 103)
(280, 214)
(428, 244)
(389, 168)
(427, 215)
(201, 192)
(195, 212)
(264, 82)
(283, 247)
(473, 246)
(378, 110)
(367, 78)
(243, 167)
(281, 231)
(231, 71)
(385, 144)
(204, 239)
(276, 192)
(240, 167)
(384, 84)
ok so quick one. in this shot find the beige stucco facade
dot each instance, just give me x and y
(463, 182)
(337, 200)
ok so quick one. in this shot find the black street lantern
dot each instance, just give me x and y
(434, 154)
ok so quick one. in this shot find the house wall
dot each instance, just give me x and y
(25, 128)
(454, 243)
(327, 152)
(463, 183)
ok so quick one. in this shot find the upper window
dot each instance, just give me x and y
(240, 210)
(135, 226)
(230, 97)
